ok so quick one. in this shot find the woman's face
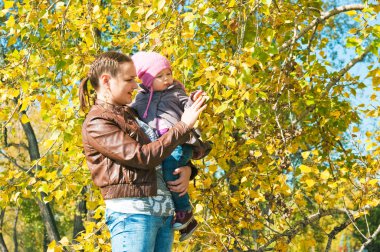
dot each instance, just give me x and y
(122, 86)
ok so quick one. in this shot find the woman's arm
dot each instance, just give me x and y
(106, 137)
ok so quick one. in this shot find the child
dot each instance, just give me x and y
(160, 104)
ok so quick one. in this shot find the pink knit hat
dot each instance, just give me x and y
(148, 65)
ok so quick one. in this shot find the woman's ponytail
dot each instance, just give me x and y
(84, 96)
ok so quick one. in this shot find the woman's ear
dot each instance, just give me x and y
(105, 80)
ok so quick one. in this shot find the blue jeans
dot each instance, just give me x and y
(179, 157)
(139, 232)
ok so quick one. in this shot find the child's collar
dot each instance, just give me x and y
(144, 89)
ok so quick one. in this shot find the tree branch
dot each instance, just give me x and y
(3, 246)
(336, 79)
(323, 17)
(348, 67)
(45, 208)
(370, 239)
(334, 232)
(12, 161)
(293, 231)
(18, 145)
(15, 230)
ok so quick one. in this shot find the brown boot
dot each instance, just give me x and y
(188, 231)
(182, 219)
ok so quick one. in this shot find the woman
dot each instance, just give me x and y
(124, 157)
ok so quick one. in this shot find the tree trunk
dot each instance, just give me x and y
(45, 241)
(80, 214)
(45, 209)
(15, 231)
(2, 242)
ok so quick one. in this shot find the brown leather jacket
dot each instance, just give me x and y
(120, 156)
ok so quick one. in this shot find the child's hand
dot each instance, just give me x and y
(196, 94)
(191, 114)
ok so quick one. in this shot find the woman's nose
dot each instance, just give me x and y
(134, 84)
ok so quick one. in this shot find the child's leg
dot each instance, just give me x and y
(184, 220)
(179, 157)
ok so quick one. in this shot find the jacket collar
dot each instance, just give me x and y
(118, 109)
(146, 90)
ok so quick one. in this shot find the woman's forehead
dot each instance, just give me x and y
(127, 69)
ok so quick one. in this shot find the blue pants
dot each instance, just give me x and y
(179, 157)
(139, 232)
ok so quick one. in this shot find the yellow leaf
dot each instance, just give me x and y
(325, 175)
(64, 241)
(373, 182)
(231, 82)
(48, 143)
(212, 168)
(59, 194)
(270, 149)
(221, 108)
(150, 25)
(309, 182)
(305, 154)
(355, 129)
(250, 141)
(305, 169)
(335, 113)
(24, 119)
(373, 97)
(333, 185)
(134, 27)
(198, 208)
(12, 40)
(188, 16)
(24, 105)
(257, 154)
(51, 246)
(15, 93)
(231, 4)
(161, 4)
(66, 170)
(8, 4)
(207, 182)
(318, 198)
(351, 13)
(55, 135)
(257, 225)
(10, 22)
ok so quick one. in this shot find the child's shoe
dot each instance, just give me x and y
(182, 219)
(188, 231)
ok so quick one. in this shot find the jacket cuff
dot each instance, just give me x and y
(183, 127)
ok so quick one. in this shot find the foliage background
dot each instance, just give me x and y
(288, 169)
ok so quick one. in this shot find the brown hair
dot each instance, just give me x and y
(107, 62)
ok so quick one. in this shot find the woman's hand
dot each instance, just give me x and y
(181, 184)
(191, 114)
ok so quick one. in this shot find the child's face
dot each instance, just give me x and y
(163, 80)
